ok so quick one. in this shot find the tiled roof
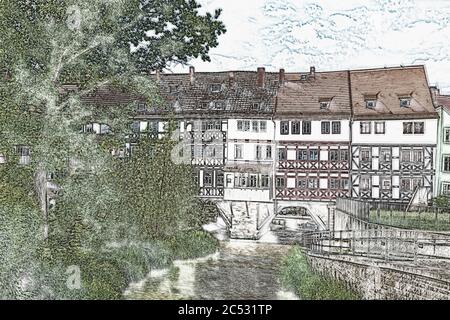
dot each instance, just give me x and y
(342, 93)
(298, 97)
(219, 92)
(388, 85)
(443, 100)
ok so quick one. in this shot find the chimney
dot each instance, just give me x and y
(435, 92)
(281, 77)
(192, 74)
(312, 72)
(158, 75)
(231, 78)
(261, 77)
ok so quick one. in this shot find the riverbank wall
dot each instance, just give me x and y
(384, 280)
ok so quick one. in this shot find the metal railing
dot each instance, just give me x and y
(401, 215)
(381, 243)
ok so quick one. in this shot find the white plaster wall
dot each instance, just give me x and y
(233, 132)
(246, 194)
(394, 133)
(316, 132)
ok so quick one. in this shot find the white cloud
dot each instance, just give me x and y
(330, 34)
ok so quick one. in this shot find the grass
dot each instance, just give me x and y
(412, 220)
(297, 275)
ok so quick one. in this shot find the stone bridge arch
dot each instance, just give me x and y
(318, 211)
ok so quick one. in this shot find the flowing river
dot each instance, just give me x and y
(238, 270)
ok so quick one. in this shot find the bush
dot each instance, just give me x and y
(297, 275)
(192, 244)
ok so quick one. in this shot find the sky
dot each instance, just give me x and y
(332, 35)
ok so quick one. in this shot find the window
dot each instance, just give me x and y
(325, 127)
(241, 181)
(246, 125)
(255, 106)
(405, 102)
(153, 126)
(418, 155)
(334, 183)
(302, 155)
(446, 135)
(284, 127)
(135, 126)
(23, 151)
(219, 179)
(446, 189)
(252, 181)
(371, 101)
(446, 163)
(413, 127)
(141, 107)
(207, 178)
(344, 184)
(313, 155)
(295, 127)
(219, 105)
(416, 182)
(324, 103)
(419, 127)
(313, 183)
(336, 127)
(334, 155)
(303, 77)
(406, 155)
(240, 125)
(280, 182)
(365, 155)
(263, 126)
(301, 183)
(255, 126)
(268, 152)
(405, 184)
(258, 152)
(264, 181)
(380, 128)
(365, 127)
(238, 151)
(385, 155)
(407, 127)
(344, 155)
(282, 154)
(306, 127)
(385, 183)
(364, 183)
(88, 128)
(216, 87)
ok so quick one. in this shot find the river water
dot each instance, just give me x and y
(238, 270)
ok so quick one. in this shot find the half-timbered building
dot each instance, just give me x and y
(393, 134)
(312, 120)
(442, 185)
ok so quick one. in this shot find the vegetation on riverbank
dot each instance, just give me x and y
(85, 212)
(297, 275)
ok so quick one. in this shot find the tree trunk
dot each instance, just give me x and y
(41, 191)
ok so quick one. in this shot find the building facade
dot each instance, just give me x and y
(393, 138)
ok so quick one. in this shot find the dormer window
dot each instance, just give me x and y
(371, 101)
(141, 107)
(255, 106)
(216, 87)
(324, 103)
(370, 104)
(303, 77)
(219, 105)
(405, 102)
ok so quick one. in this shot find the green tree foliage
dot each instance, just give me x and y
(45, 44)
